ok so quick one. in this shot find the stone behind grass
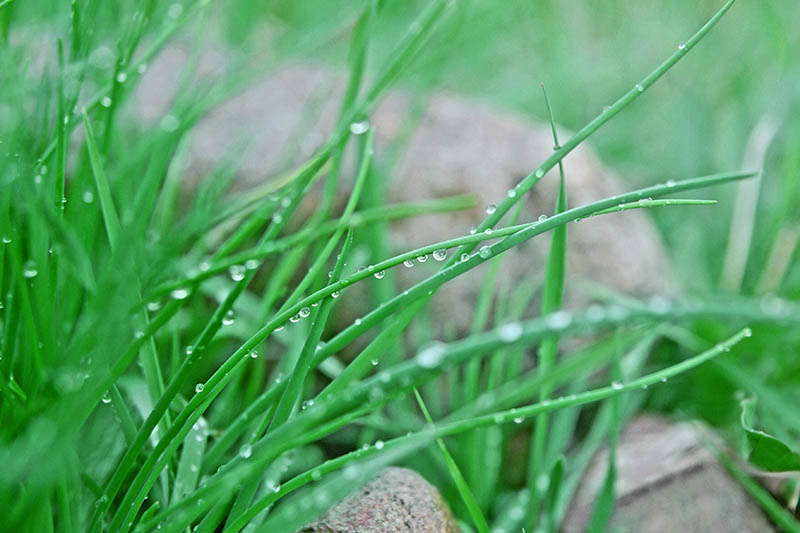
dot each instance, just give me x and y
(453, 146)
(398, 499)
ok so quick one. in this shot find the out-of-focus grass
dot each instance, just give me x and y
(153, 375)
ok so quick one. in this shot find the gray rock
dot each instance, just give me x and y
(459, 146)
(398, 499)
(667, 481)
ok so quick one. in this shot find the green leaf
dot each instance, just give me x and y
(766, 452)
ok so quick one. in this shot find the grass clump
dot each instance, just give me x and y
(171, 360)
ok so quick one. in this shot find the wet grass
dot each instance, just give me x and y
(170, 358)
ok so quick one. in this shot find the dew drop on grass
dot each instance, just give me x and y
(559, 319)
(251, 264)
(228, 319)
(491, 208)
(539, 173)
(105, 101)
(518, 419)
(280, 328)
(141, 69)
(374, 362)
(306, 404)
(440, 255)
(380, 274)
(335, 294)
(316, 475)
(484, 252)
(6, 239)
(106, 397)
(379, 444)
(359, 128)
(422, 258)
(29, 269)
(253, 354)
(357, 321)
(542, 218)
(87, 197)
(236, 272)
(670, 183)
(199, 387)
(304, 312)
(153, 306)
(473, 231)
(681, 46)
(245, 451)
(639, 87)
(510, 332)
(748, 332)
(122, 77)
(488, 231)
(616, 385)
(464, 257)
(189, 350)
(276, 487)
(361, 269)
(174, 11)
(408, 263)
(511, 193)
(498, 419)
(431, 355)
(179, 294)
(295, 319)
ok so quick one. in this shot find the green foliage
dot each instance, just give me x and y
(173, 353)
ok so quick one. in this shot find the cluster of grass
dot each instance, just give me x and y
(170, 363)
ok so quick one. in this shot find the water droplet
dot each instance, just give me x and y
(518, 419)
(488, 231)
(663, 380)
(440, 255)
(511, 193)
(335, 294)
(408, 263)
(122, 77)
(380, 274)
(316, 475)
(306, 404)
(6, 239)
(473, 231)
(559, 320)
(304, 312)
(105, 101)
(189, 350)
(422, 258)
(464, 257)
(639, 87)
(251, 264)
(87, 197)
(359, 128)
(294, 319)
(153, 306)
(681, 46)
(179, 294)
(106, 397)
(169, 122)
(280, 328)
(276, 487)
(175, 10)
(246, 451)
(748, 332)
(29, 269)
(616, 385)
(510, 332)
(237, 272)
(498, 419)
(374, 362)
(199, 387)
(542, 218)
(670, 183)
(431, 355)
(357, 321)
(491, 208)
(539, 172)
(379, 444)
(485, 252)
(228, 319)
(141, 69)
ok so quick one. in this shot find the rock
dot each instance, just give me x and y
(398, 499)
(459, 146)
(667, 481)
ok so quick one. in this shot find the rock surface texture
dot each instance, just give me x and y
(453, 146)
(667, 481)
(397, 500)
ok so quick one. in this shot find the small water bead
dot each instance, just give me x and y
(663, 380)
(748, 332)
(304, 312)
(491, 208)
(335, 294)
(379, 444)
(380, 274)
(316, 475)
(306, 404)
(246, 451)
(440, 255)
(253, 354)
(204, 266)
(357, 321)
(189, 350)
(228, 319)
(87, 197)
(236, 272)
(559, 319)
(361, 269)
(408, 263)
(431, 355)
(276, 487)
(511, 193)
(6, 239)
(473, 231)
(106, 397)
(539, 172)
(174, 11)
(488, 231)
(510, 332)
(359, 128)
(142, 68)
(422, 258)
(485, 252)
(122, 77)
(681, 46)
(105, 101)
(639, 87)
(542, 218)
(294, 319)
(251, 264)
(374, 362)
(277, 218)
(179, 294)
(153, 306)
(518, 419)
(670, 183)
(498, 419)
(616, 385)
(464, 257)
(199, 387)
(29, 269)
